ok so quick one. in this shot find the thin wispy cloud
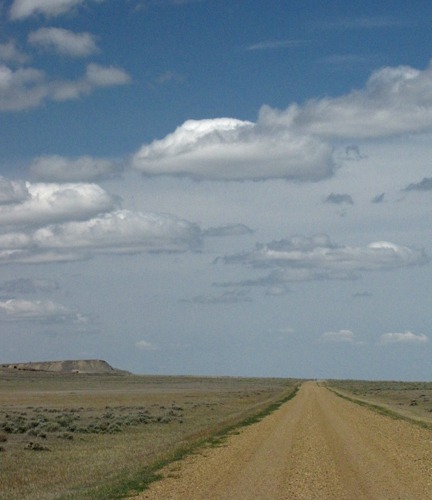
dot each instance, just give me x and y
(349, 59)
(276, 44)
(144, 345)
(345, 336)
(404, 338)
(228, 230)
(56, 168)
(362, 23)
(229, 297)
(170, 77)
(29, 286)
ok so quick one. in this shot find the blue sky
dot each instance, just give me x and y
(218, 188)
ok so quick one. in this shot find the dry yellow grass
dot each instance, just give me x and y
(71, 416)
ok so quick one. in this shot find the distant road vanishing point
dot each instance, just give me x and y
(315, 447)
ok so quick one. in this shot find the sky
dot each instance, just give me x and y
(218, 187)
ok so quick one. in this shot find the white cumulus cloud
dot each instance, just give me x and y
(230, 149)
(64, 42)
(44, 203)
(296, 143)
(395, 100)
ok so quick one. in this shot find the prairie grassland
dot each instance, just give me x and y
(98, 436)
(411, 400)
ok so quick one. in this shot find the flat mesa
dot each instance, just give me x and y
(64, 366)
(315, 446)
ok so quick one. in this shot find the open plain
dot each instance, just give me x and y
(69, 435)
(116, 435)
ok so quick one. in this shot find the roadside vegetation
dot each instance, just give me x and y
(73, 436)
(410, 401)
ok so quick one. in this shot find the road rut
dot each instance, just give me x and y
(316, 446)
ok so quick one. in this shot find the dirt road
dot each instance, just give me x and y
(315, 447)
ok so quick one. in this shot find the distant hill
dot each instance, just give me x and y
(66, 366)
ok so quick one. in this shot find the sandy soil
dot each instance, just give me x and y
(316, 446)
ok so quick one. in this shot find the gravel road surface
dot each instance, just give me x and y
(316, 446)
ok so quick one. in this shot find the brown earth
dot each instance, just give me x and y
(315, 447)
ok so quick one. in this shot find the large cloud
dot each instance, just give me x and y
(295, 143)
(41, 203)
(122, 231)
(317, 258)
(64, 42)
(395, 100)
(84, 168)
(229, 149)
(26, 88)
(118, 232)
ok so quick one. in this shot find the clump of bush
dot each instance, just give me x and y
(36, 447)
(43, 422)
(66, 435)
